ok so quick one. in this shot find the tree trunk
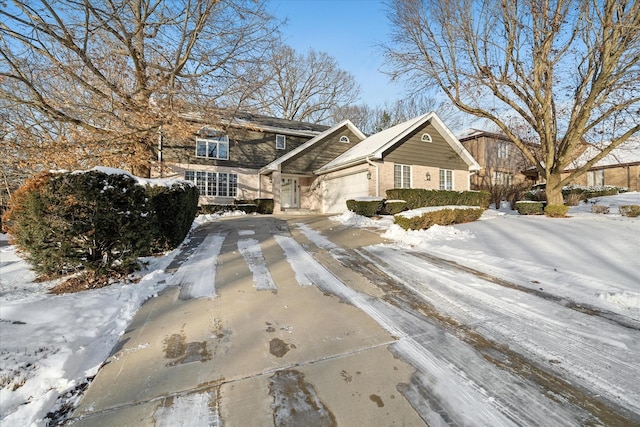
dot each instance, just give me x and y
(553, 189)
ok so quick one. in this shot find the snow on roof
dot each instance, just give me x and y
(374, 146)
(626, 153)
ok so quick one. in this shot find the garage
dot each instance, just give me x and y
(338, 189)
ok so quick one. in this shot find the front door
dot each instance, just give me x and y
(289, 193)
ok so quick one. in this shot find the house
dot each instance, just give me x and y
(501, 162)
(317, 168)
(620, 168)
(419, 153)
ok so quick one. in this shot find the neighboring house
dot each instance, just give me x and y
(501, 162)
(316, 168)
(419, 153)
(620, 168)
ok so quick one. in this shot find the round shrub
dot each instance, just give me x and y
(631, 211)
(556, 211)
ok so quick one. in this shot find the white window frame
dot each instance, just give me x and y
(503, 149)
(501, 178)
(595, 178)
(213, 147)
(426, 138)
(217, 184)
(446, 179)
(344, 139)
(281, 142)
(401, 176)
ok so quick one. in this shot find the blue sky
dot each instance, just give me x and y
(348, 30)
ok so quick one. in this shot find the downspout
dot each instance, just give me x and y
(377, 176)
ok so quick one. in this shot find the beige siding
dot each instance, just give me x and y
(437, 154)
(621, 176)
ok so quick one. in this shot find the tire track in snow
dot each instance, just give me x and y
(463, 388)
(252, 253)
(595, 354)
(197, 275)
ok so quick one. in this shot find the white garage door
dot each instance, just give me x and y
(337, 191)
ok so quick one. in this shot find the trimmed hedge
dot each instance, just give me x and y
(420, 197)
(631, 211)
(556, 211)
(392, 207)
(96, 221)
(366, 208)
(265, 206)
(529, 208)
(443, 216)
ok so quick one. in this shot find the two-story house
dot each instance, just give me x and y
(312, 167)
(501, 162)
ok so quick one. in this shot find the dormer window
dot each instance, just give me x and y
(344, 139)
(281, 142)
(426, 138)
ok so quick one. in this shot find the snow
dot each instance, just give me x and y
(51, 344)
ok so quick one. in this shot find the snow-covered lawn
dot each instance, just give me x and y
(51, 344)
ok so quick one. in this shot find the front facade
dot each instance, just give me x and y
(316, 168)
(501, 162)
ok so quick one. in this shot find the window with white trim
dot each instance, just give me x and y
(213, 147)
(595, 178)
(501, 178)
(446, 179)
(401, 176)
(503, 150)
(426, 138)
(344, 139)
(281, 142)
(214, 183)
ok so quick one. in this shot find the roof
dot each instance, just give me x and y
(345, 123)
(241, 119)
(374, 146)
(472, 133)
(627, 153)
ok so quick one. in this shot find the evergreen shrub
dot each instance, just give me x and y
(366, 208)
(525, 207)
(556, 211)
(265, 206)
(420, 197)
(96, 222)
(444, 216)
(631, 211)
(392, 207)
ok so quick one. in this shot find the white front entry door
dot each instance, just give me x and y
(289, 193)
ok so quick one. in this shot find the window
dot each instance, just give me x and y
(446, 179)
(595, 178)
(344, 139)
(213, 147)
(280, 142)
(503, 150)
(426, 138)
(214, 183)
(501, 178)
(401, 176)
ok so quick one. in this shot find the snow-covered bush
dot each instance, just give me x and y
(392, 207)
(99, 221)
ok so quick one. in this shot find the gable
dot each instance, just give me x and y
(411, 150)
(321, 153)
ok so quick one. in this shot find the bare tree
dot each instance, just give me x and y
(569, 69)
(303, 87)
(101, 78)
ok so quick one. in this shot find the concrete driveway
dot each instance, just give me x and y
(253, 341)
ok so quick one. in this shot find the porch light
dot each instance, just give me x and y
(428, 176)
(368, 174)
